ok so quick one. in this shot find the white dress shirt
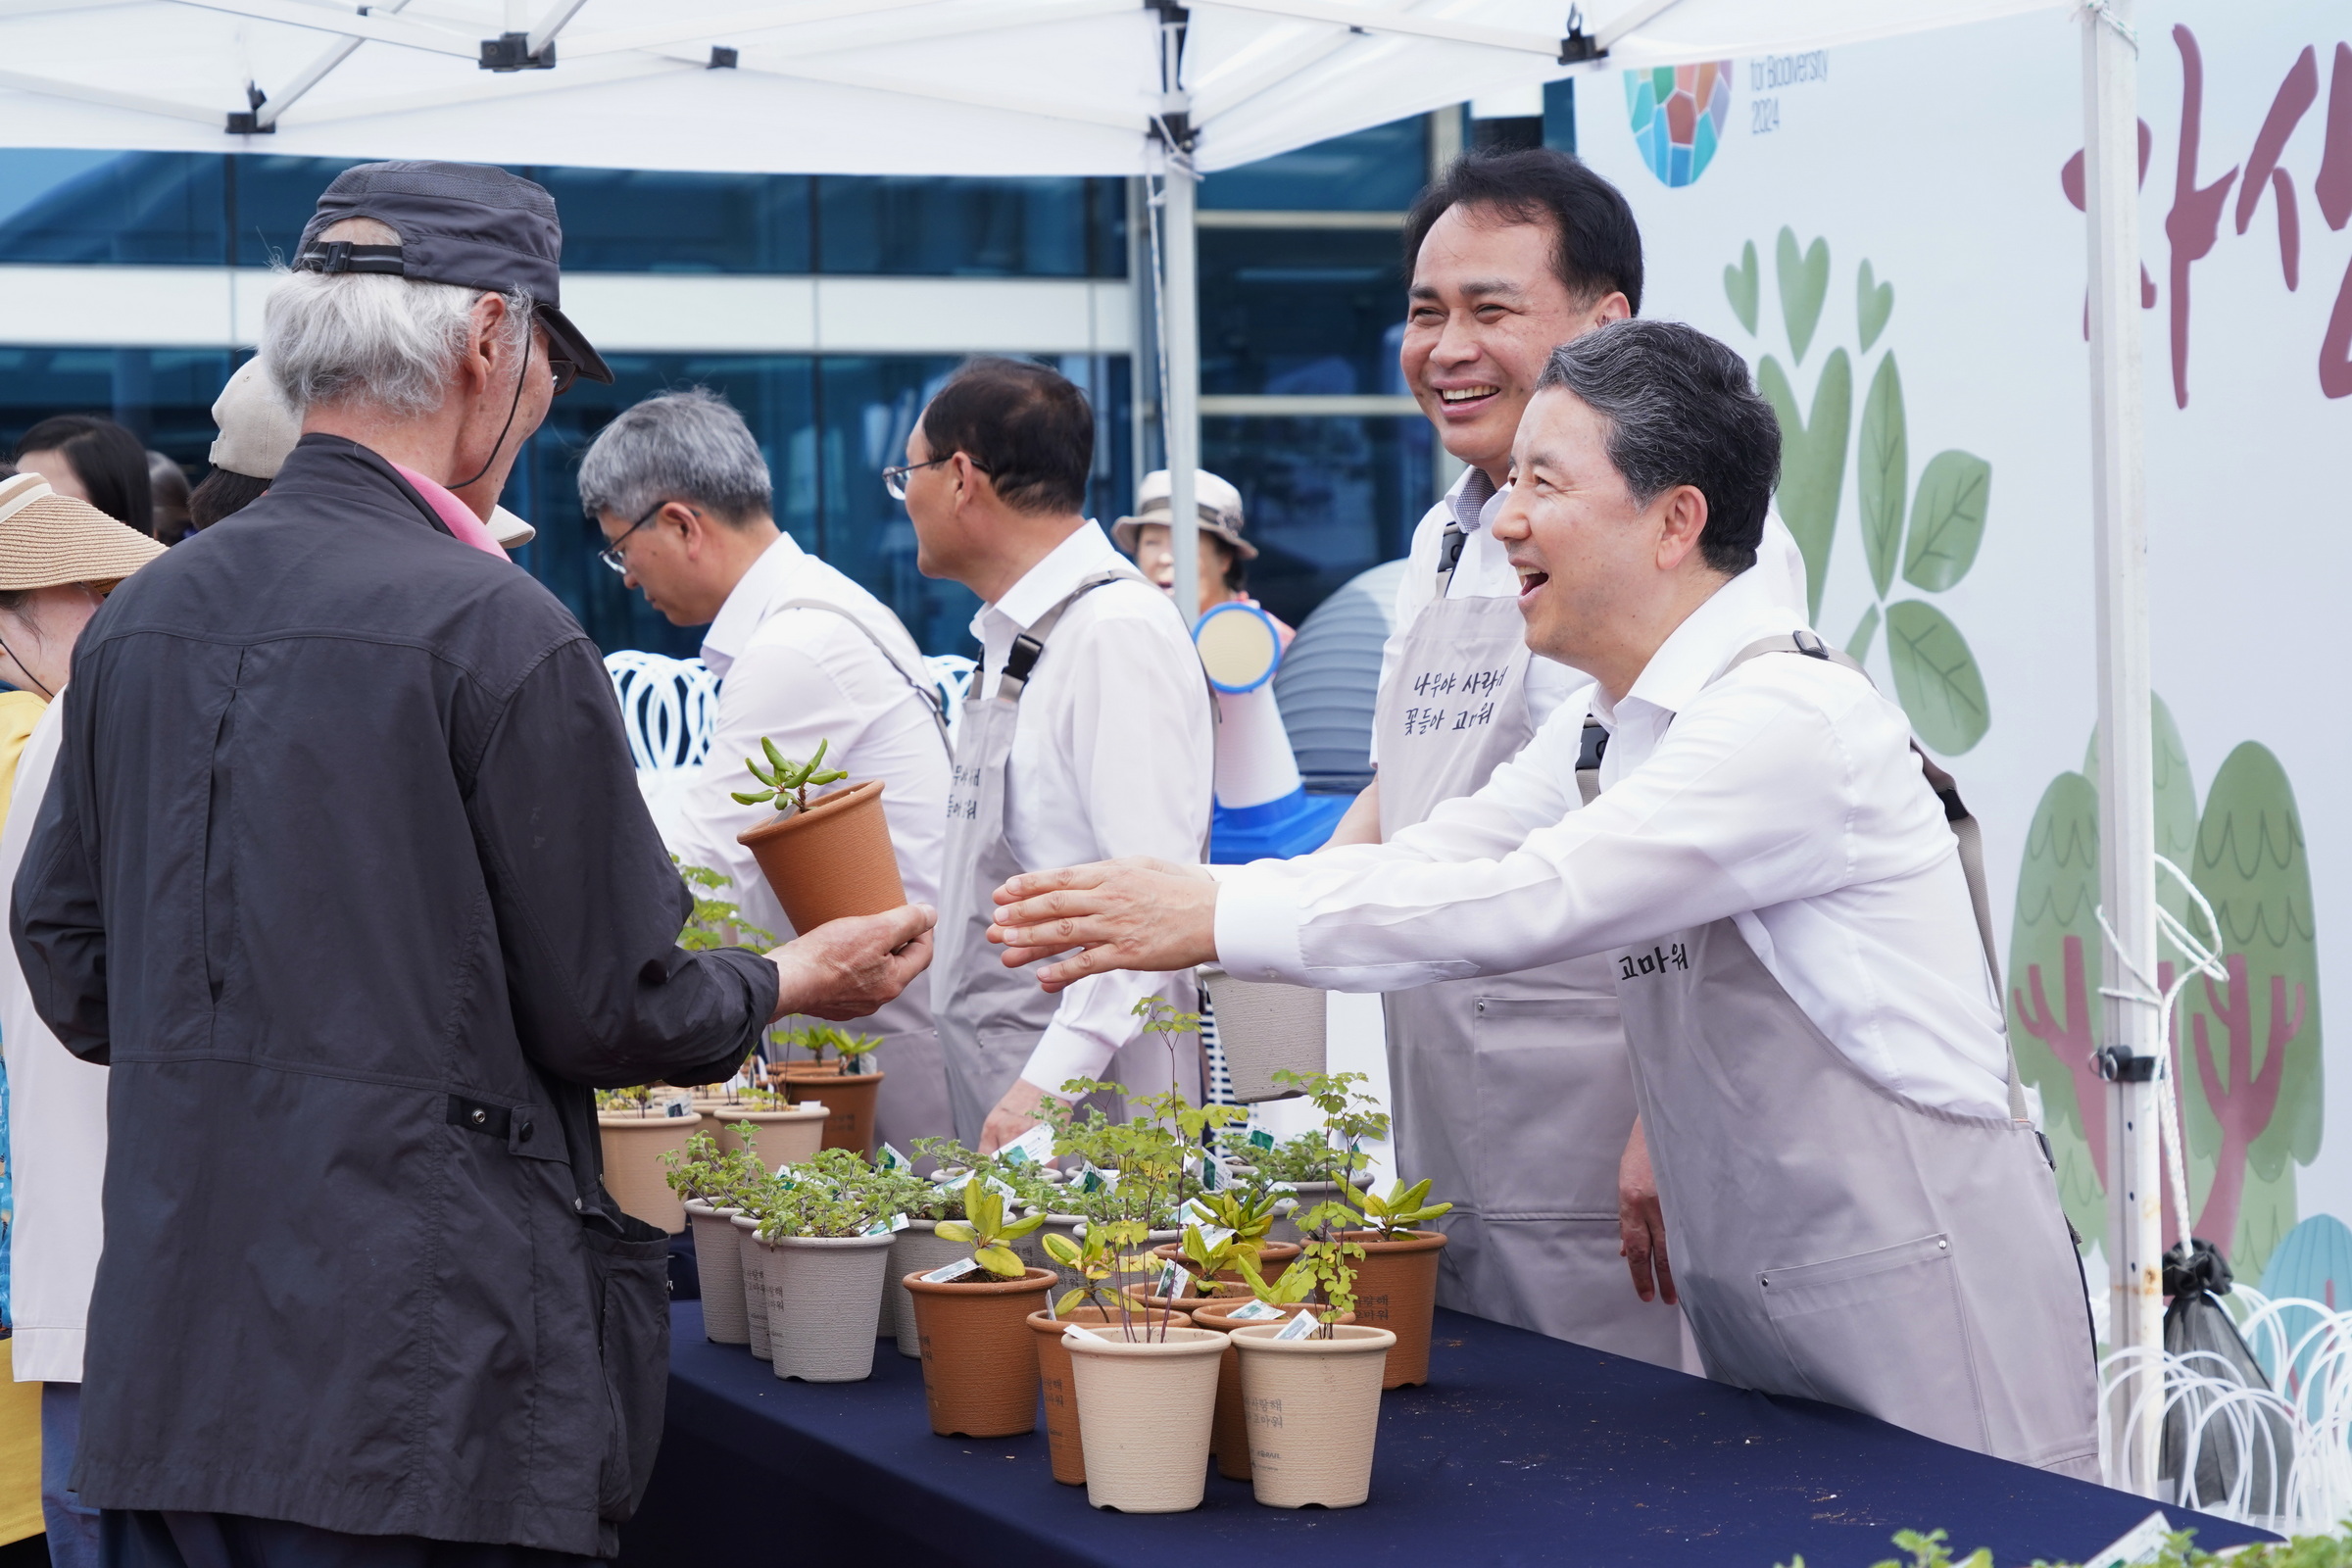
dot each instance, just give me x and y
(1784, 795)
(1113, 754)
(798, 677)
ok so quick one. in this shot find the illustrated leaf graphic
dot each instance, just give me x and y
(1948, 520)
(1885, 474)
(1935, 677)
(1857, 646)
(1812, 459)
(1873, 301)
(1804, 288)
(1741, 285)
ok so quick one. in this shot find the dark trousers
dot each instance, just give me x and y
(149, 1539)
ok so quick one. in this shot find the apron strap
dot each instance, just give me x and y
(1967, 835)
(1449, 555)
(1030, 645)
(1591, 749)
(928, 691)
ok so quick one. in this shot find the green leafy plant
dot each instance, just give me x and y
(701, 1170)
(1301, 1158)
(715, 922)
(817, 1039)
(1094, 1258)
(835, 1193)
(988, 1232)
(787, 782)
(1404, 1209)
(616, 1101)
(1247, 1213)
(1324, 1270)
(2179, 1550)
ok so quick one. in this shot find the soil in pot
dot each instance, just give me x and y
(918, 1250)
(1229, 1433)
(753, 1257)
(1061, 1391)
(1397, 1289)
(634, 1174)
(718, 1267)
(849, 1096)
(1314, 1408)
(782, 1136)
(1144, 1409)
(822, 1297)
(979, 1358)
(834, 859)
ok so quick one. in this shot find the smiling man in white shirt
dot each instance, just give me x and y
(1087, 734)
(803, 656)
(1858, 1211)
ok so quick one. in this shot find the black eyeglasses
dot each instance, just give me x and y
(610, 555)
(566, 373)
(894, 479)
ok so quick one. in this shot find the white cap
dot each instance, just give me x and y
(257, 428)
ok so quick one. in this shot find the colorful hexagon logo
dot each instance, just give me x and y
(1678, 114)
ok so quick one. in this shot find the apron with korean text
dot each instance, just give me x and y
(1834, 1240)
(991, 1017)
(1510, 1092)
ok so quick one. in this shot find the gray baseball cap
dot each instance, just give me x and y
(463, 223)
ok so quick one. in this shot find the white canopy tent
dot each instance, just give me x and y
(1128, 87)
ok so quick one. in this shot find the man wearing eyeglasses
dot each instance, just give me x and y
(1088, 724)
(345, 872)
(804, 657)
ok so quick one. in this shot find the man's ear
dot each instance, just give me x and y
(693, 527)
(971, 485)
(1681, 522)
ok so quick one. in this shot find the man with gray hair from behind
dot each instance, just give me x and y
(804, 657)
(344, 871)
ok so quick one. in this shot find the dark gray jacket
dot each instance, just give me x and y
(344, 869)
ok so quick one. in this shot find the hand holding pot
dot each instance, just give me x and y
(846, 968)
(1133, 914)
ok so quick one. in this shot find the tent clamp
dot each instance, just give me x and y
(722, 58)
(1579, 46)
(248, 121)
(511, 51)
(2118, 1065)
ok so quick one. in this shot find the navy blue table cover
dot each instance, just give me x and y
(1522, 1450)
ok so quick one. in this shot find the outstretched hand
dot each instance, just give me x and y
(846, 968)
(1134, 913)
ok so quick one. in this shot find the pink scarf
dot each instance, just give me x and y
(455, 513)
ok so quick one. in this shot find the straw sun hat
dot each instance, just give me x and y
(48, 540)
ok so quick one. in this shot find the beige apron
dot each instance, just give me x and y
(990, 1017)
(1510, 1093)
(1836, 1242)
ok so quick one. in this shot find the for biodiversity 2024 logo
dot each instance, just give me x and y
(1679, 113)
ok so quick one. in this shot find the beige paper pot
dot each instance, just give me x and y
(1265, 1028)
(1397, 1289)
(918, 1250)
(833, 860)
(1314, 1408)
(822, 1295)
(1061, 1391)
(785, 1137)
(979, 1357)
(1144, 1411)
(633, 1170)
(1229, 1433)
(718, 1267)
(752, 1256)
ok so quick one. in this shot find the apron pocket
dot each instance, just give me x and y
(1555, 1098)
(1882, 1332)
(630, 1274)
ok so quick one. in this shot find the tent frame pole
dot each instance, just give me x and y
(1180, 313)
(2127, 781)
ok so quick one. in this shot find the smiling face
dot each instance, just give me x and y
(1486, 309)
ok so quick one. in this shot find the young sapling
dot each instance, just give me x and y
(787, 782)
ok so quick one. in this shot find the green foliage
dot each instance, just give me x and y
(1323, 1270)
(1883, 472)
(1295, 1159)
(1805, 281)
(1948, 520)
(616, 1100)
(1350, 1117)
(818, 1038)
(715, 922)
(1247, 1213)
(1095, 1259)
(833, 1194)
(787, 782)
(988, 1232)
(1932, 1550)
(1812, 459)
(1403, 1210)
(1935, 677)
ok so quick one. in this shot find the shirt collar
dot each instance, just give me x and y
(762, 583)
(1087, 551)
(1471, 499)
(1742, 610)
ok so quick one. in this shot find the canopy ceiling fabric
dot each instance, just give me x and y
(979, 87)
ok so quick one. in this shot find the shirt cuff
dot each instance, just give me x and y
(1064, 1053)
(1258, 921)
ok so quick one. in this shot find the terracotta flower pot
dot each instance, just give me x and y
(1229, 1433)
(753, 1259)
(919, 1249)
(633, 1170)
(1397, 1289)
(821, 1296)
(719, 1266)
(849, 1096)
(1144, 1412)
(1187, 1301)
(783, 1137)
(1314, 1408)
(832, 859)
(1060, 1393)
(979, 1362)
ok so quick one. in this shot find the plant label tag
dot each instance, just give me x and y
(891, 1159)
(1297, 1328)
(1170, 1276)
(1215, 1235)
(1002, 1189)
(809, 1105)
(676, 1107)
(898, 1223)
(1070, 1331)
(1254, 1312)
(1033, 1147)
(952, 1271)
(1261, 1139)
(2143, 1543)
(1214, 1176)
(1090, 1180)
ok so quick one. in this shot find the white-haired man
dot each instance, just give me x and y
(345, 872)
(804, 657)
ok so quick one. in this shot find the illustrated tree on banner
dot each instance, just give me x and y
(1930, 535)
(2246, 1051)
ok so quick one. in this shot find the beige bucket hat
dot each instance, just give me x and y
(1218, 501)
(48, 540)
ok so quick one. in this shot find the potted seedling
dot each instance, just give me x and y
(706, 1180)
(754, 1200)
(827, 857)
(769, 1124)
(827, 1241)
(636, 1130)
(919, 1248)
(1092, 1261)
(1396, 1283)
(1317, 1286)
(979, 1362)
(1311, 1404)
(847, 1084)
(1146, 1391)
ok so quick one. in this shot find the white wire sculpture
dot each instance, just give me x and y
(667, 706)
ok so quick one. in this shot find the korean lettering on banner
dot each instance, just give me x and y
(1657, 961)
(1474, 688)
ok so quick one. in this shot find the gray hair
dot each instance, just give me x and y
(372, 339)
(682, 446)
(1679, 410)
